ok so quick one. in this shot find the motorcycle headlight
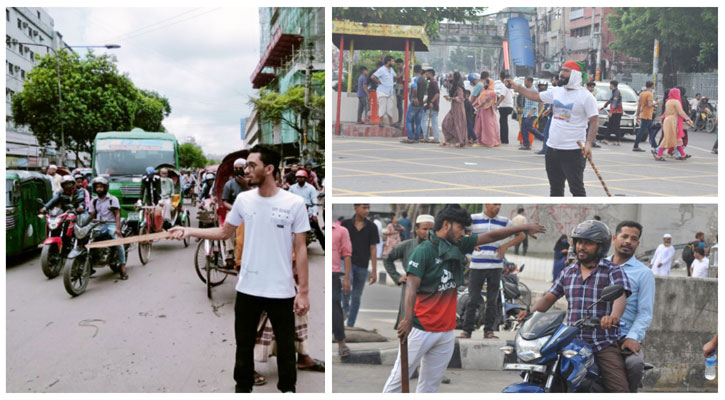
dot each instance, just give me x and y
(528, 350)
(53, 224)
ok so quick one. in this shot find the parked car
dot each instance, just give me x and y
(24, 230)
(628, 124)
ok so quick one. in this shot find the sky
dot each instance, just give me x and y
(201, 59)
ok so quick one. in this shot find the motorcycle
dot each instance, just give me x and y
(706, 120)
(78, 274)
(514, 297)
(59, 225)
(550, 357)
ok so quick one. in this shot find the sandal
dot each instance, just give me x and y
(344, 351)
(259, 379)
(681, 158)
(489, 335)
(659, 158)
(464, 335)
(123, 275)
(317, 366)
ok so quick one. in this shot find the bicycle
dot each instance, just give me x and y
(210, 260)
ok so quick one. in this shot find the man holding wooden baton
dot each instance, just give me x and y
(573, 107)
(435, 269)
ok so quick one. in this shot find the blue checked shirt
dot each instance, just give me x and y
(528, 105)
(580, 294)
(485, 256)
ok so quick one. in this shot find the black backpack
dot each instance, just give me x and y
(688, 253)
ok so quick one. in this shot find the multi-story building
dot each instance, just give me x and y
(550, 27)
(291, 39)
(25, 25)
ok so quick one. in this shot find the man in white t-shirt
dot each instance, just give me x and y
(505, 103)
(487, 265)
(662, 259)
(385, 77)
(573, 106)
(698, 268)
(271, 217)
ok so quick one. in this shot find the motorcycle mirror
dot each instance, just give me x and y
(611, 293)
(521, 268)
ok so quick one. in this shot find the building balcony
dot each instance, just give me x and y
(279, 48)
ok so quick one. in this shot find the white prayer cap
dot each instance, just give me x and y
(52, 166)
(240, 162)
(667, 236)
(424, 218)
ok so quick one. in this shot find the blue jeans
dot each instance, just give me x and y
(433, 123)
(110, 230)
(527, 125)
(642, 134)
(471, 132)
(412, 121)
(351, 301)
(546, 135)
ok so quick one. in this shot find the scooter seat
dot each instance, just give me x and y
(648, 366)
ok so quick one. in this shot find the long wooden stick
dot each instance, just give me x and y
(604, 185)
(130, 239)
(404, 376)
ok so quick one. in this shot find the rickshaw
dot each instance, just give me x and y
(211, 258)
(24, 230)
(179, 216)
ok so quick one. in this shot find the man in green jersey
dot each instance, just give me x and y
(435, 269)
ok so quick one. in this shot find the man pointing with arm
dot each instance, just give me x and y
(435, 269)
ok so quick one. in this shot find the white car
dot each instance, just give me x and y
(628, 124)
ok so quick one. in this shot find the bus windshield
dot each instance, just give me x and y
(131, 156)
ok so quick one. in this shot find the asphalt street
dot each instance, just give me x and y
(375, 166)
(155, 332)
(361, 378)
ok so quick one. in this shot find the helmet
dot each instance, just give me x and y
(99, 180)
(150, 171)
(240, 162)
(209, 177)
(595, 231)
(301, 173)
(473, 77)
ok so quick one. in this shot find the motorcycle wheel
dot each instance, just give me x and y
(50, 261)
(710, 125)
(187, 223)
(525, 298)
(76, 277)
(144, 248)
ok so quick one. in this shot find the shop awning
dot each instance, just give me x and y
(369, 36)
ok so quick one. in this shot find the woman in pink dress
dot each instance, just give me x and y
(673, 121)
(486, 125)
(392, 235)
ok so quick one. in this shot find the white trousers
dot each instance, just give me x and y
(433, 350)
(386, 105)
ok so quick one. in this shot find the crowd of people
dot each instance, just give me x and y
(559, 112)
(438, 250)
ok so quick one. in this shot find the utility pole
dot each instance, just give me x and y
(599, 46)
(308, 81)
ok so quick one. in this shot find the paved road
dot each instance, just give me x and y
(156, 332)
(386, 167)
(360, 378)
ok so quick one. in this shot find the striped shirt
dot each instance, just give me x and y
(485, 256)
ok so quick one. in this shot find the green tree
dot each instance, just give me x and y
(687, 37)
(95, 98)
(429, 17)
(289, 108)
(191, 156)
